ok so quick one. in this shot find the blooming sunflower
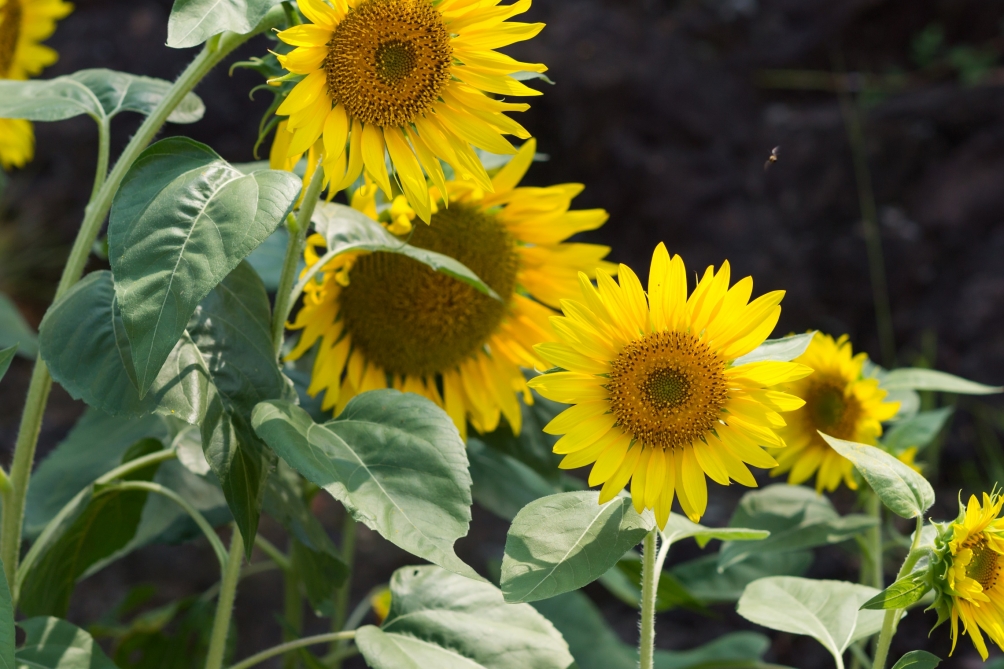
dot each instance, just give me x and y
(972, 587)
(386, 320)
(838, 402)
(658, 397)
(409, 78)
(23, 25)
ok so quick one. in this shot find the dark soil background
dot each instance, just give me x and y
(667, 111)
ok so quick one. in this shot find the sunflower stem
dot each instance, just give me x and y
(342, 598)
(297, 238)
(649, 588)
(225, 602)
(874, 507)
(891, 620)
(94, 217)
(104, 148)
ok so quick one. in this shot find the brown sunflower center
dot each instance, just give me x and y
(667, 389)
(985, 565)
(830, 410)
(10, 31)
(411, 320)
(389, 60)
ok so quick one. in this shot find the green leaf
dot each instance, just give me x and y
(99, 93)
(87, 353)
(532, 446)
(268, 258)
(917, 659)
(735, 648)
(56, 644)
(345, 229)
(919, 430)
(99, 521)
(796, 517)
(438, 619)
(7, 634)
(6, 355)
(828, 611)
(709, 585)
(394, 460)
(785, 349)
(901, 594)
(182, 220)
(915, 378)
(564, 541)
(15, 330)
(192, 22)
(679, 527)
(671, 593)
(503, 484)
(904, 491)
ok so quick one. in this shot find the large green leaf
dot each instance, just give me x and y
(438, 619)
(7, 635)
(899, 487)
(917, 431)
(268, 258)
(345, 229)
(15, 330)
(394, 460)
(706, 584)
(915, 378)
(503, 484)
(783, 350)
(85, 348)
(183, 219)
(99, 521)
(796, 517)
(52, 643)
(99, 93)
(828, 611)
(192, 22)
(564, 541)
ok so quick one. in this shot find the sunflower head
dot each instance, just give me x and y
(657, 397)
(838, 402)
(386, 320)
(969, 572)
(412, 79)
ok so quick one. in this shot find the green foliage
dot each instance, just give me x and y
(783, 350)
(828, 611)
(917, 659)
(183, 219)
(919, 430)
(14, 330)
(624, 581)
(394, 460)
(707, 584)
(6, 355)
(52, 643)
(678, 527)
(565, 541)
(901, 594)
(532, 446)
(503, 484)
(267, 259)
(909, 378)
(438, 619)
(99, 93)
(7, 635)
(796, 517)
(192, 22)
(900, 488)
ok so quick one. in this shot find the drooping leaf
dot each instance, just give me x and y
(917, 659)
(438, 619)
(707, 584)
(182, 220)
(52, 643)
(99, 93)
(15, 330)
(503, 484)
(917, 431)
(565, 541)
(345, 229)
(796, 517)
(394, 460)
(6, 355)
(783, 350)
(192, 22)
(828, 611)
(903, 490)
(679, 527)
(915, 378)
(85, 348)
(7, 635)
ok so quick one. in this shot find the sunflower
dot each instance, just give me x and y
(838, 402)
(406, 77)
(972, 587)
(658, 397)
(386, 320)
(23, 25)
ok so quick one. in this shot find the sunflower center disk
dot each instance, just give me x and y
(832, 412)
(389, 60)
(10, 31)
(414, 321)
(985, 565)
(667, 389)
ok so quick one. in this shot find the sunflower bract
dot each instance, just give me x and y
(657, 399)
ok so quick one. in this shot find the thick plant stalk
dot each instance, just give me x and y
(874, 538)
(94, 217)
(891, 619)
(225, 602)
(649, 587)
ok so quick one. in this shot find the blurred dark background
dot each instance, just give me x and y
(667, 112)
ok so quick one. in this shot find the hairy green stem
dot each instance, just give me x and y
(297, 238)
(292, 645)
(94, 217)
(225, 602)
(104, 148)
(892, 616)
(649, 588)
(344, 593)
